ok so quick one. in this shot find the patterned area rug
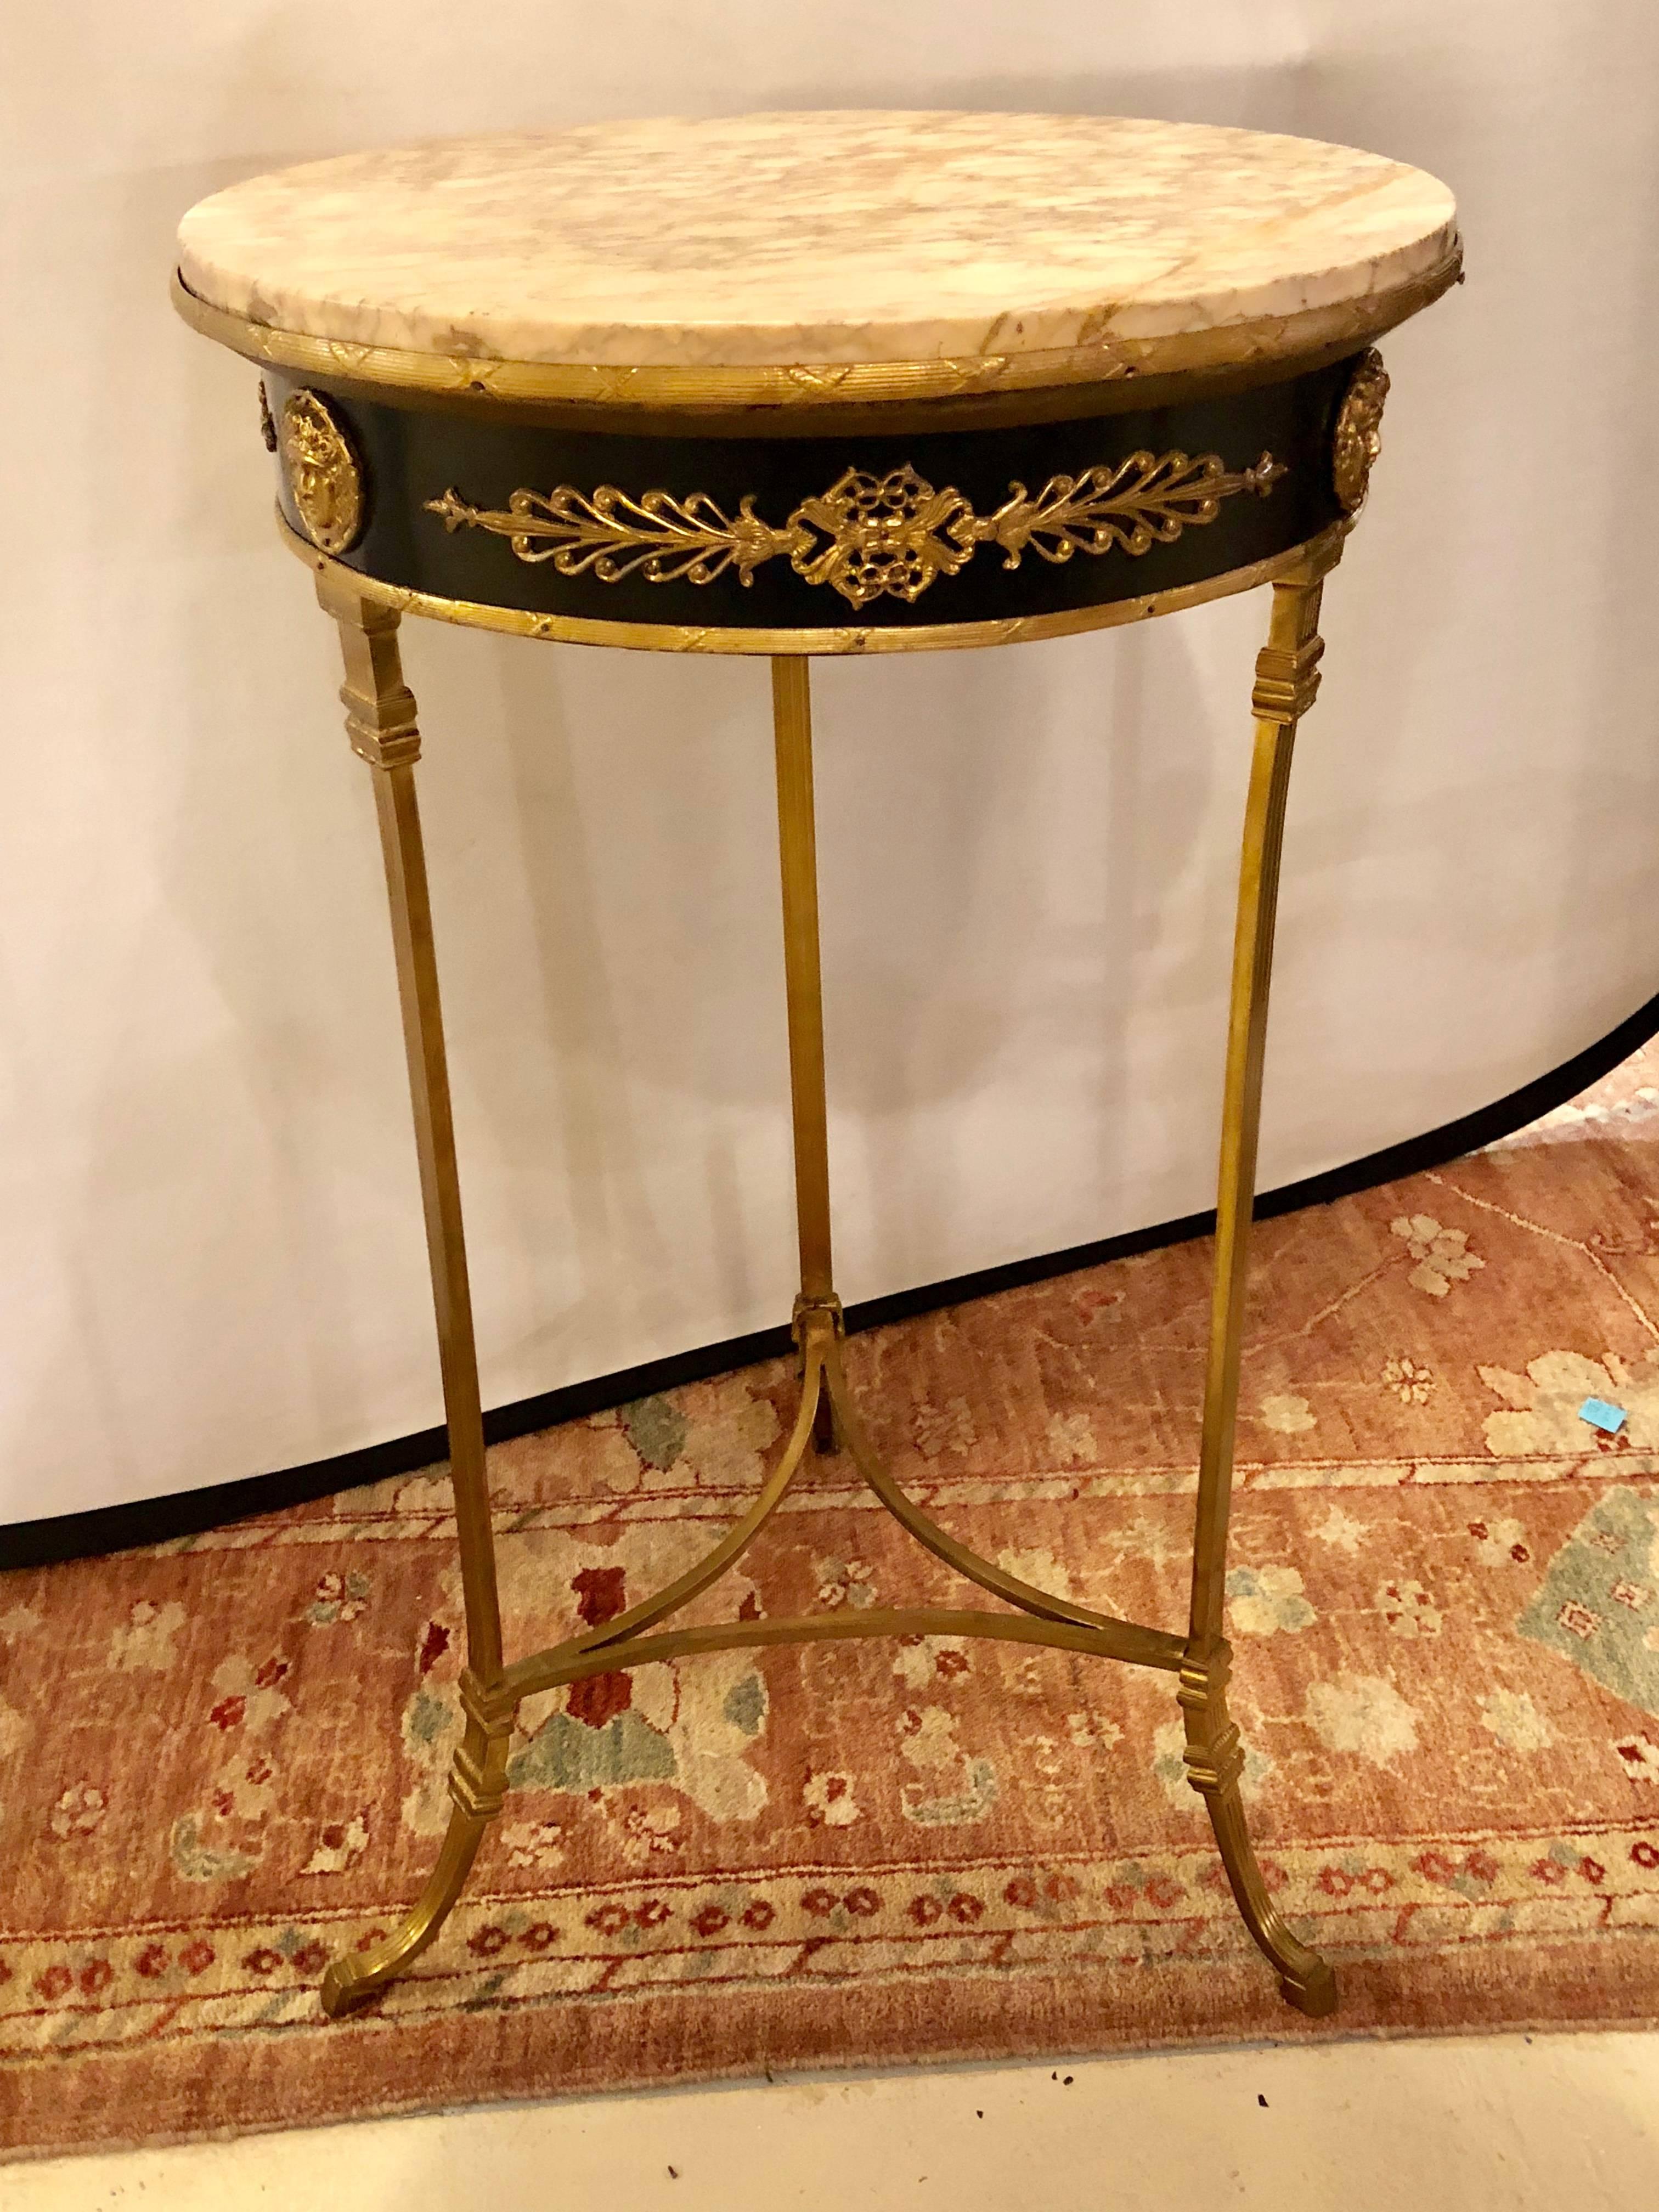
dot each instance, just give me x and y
(223, 1758)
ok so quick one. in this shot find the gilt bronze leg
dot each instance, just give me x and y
(381, 721)
(798, 860)
(1286, 679)
(381, 724)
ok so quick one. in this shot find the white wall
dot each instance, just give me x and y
(210, 1255)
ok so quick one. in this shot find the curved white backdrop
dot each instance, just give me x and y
(211, 1251)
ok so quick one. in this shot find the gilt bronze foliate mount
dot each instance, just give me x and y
(866, 534)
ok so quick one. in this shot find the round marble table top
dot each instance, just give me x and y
(1088, 244)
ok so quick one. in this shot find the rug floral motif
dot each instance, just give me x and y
(223, 1759)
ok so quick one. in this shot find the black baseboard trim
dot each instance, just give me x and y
(190, 1512)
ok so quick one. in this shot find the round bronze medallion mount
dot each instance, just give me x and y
(1358, 438)
(325, 477)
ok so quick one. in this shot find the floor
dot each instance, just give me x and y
(1481, 2123)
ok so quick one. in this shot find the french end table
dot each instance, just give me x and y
(799, 384)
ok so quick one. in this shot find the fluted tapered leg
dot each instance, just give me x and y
(382, 725)
(798, 858)
(1287, 680)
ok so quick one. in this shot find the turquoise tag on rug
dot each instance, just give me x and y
(1601, 1415)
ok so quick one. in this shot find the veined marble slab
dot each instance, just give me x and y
(815, 238)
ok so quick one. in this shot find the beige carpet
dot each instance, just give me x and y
(223, 1759)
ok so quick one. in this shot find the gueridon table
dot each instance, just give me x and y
(799, 384)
